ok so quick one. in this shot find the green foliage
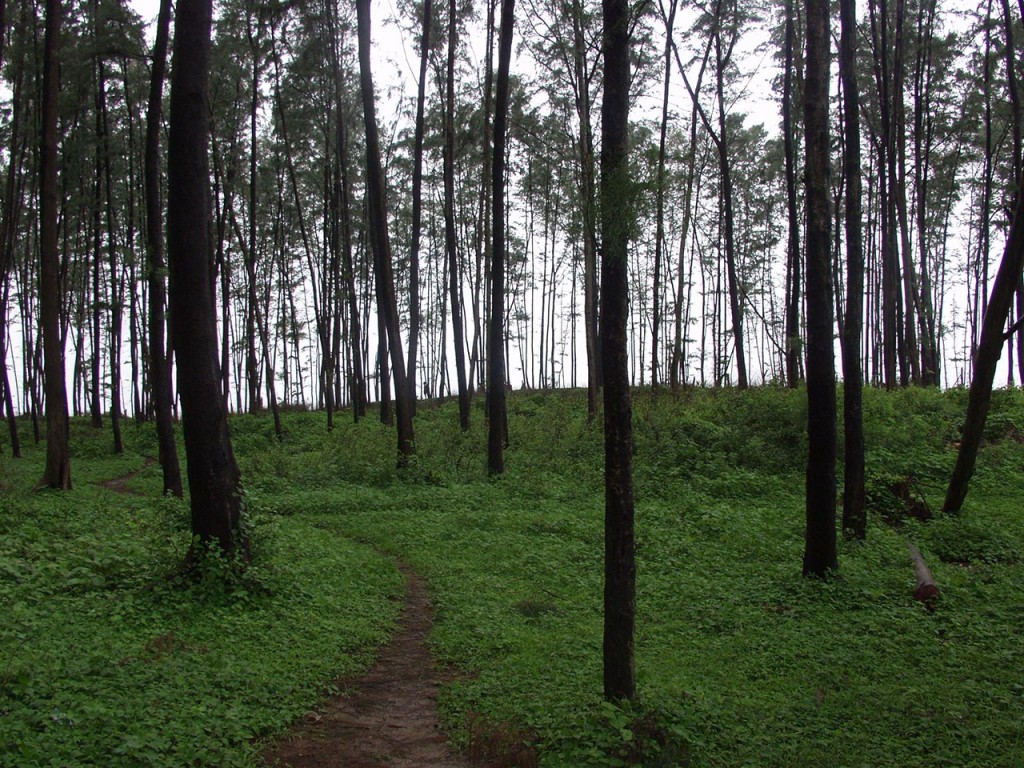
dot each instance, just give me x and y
(740, 660)
(111, 655)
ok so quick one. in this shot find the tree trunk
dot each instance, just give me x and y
(853, 374)
(986, 358)
(5, 382)
(417, 206)
(735, 290)
(450, 238)
(880, 36)
(659, 233)
(616, 221)
(251, 360)
(160, 369)
(1013, 89)
(387, 303)
(820, 548)
(793, 252)
(57, 473)
(116, 302)
(496, 432)
(358, 383)
(591, 297)
(214, 479)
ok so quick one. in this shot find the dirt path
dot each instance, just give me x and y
(120, 484)
(389, 717)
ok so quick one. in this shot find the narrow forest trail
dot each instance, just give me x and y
(389, 717)
(120, 484)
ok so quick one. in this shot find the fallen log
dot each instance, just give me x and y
(927, 590)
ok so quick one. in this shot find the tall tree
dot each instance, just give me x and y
(616, 222)
(659, 231)
(793, 252)
(213, 475)
(160, 368)
(853, 422)
(496, 434)
(724, 47)
(820, 547)
(450, 235)
(387, 304)
(985, 359)
(417, 202)
(57, 473)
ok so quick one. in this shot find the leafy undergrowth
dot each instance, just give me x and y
(109, 657)
(740, 661)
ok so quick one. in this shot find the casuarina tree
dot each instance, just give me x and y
(213, 475)
(619, 544)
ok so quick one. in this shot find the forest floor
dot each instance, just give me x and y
(386, 718)
(323, 650)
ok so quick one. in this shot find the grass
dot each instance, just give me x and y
(740, 661)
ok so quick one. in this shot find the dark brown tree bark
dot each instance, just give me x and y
(723, 53)
(57, 473)
(985, 359)
(616, 221)
(213, 474)
(659, 232)
(116, 302)
(387, 304)
(342, 198)
(591, 293)
(160, 369)
(1013, 89)
(820, 547)
(254, 38)
(450, 237)
(879, 15)
(793, 292)
(496, 415)
(417, 205)
(853, 423)
(5, 382)
(13, 203)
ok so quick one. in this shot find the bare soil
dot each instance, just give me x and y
(120, 484)
(388, 717)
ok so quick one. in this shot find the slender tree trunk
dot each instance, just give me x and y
(923, 138)
(251, 361)
(13, 203)
(591, 293)
(95, 362)
(160, 369)
(853, 374)
(496, 415)
(659, 234)
(358, 383)
(214, 479)
(820, 547)
(57, 473)
(898, 177)
(1013, 89)
(450, 238)
(793, 293)
(5, 382)
(380, 243)
(735, 298)
(879, 16)
(985, 359)
(616, 221)
(116, 303)
(417, 205)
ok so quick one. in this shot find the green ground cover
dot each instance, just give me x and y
(740, 660)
